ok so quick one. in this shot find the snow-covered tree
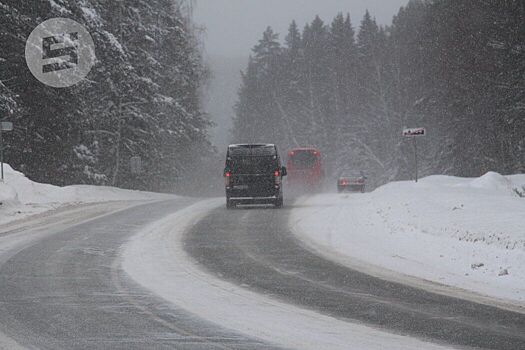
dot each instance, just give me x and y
(140, 99)
(455, 67)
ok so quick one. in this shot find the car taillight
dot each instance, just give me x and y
(277, 176)
(227, 178)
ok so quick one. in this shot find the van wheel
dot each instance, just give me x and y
(279, 202)
(229, 204)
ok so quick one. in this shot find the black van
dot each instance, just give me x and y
(253, 175)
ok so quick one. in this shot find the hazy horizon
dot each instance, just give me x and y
(233, 27)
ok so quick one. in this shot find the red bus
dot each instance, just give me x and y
(304, 168)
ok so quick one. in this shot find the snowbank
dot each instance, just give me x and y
(20, 197)
(464, 233)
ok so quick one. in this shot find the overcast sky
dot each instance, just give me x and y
(233, 27)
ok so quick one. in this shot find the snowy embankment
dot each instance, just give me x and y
(468, 234)
(21, 197)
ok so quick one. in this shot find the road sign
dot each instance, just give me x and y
(414, 132)
(6, 126)
(135, 164)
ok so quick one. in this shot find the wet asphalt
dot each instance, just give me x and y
(253, 247)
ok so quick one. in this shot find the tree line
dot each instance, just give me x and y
(454, 67)
(141, 98)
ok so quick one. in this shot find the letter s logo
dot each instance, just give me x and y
(60, 52)
(65, 57)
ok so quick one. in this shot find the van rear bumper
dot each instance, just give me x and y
(254, 200)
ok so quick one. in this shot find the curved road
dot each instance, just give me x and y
(66, 290)
(253, 247)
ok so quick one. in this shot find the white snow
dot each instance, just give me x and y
(21, 197)
(91, 15)
(59, 7)
(114, 41)
(156, 259)
(454, 235)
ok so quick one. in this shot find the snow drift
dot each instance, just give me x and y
(20, 197)
(464, 233)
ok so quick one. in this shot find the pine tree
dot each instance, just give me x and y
(246, 125)
(258, 107)
(344, 65)
(293, 96)
(319, 82)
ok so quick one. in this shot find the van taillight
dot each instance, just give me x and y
(227, 178)
(277, 176)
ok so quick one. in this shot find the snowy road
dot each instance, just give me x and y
(62, 288)
(254, 248)
(207, 278)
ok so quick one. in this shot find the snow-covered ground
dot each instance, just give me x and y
(465, 233)
(173, 275)
(21, 197)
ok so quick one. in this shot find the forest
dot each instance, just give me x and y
(141, 99)
(454, 67)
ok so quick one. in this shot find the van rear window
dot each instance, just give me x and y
(252, 151)
(253, 165)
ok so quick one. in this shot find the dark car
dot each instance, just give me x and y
(253, 175)
(351, 183)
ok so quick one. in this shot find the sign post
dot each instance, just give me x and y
(414, 134)
(4, 126)
(136, 165)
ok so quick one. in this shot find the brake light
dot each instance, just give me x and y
(276, 174)
(227, 174)
(227, 178)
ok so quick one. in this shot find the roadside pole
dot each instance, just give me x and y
(136, 165)
(415, 157)
(4, 126)
(1, 155)
(414, 134)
